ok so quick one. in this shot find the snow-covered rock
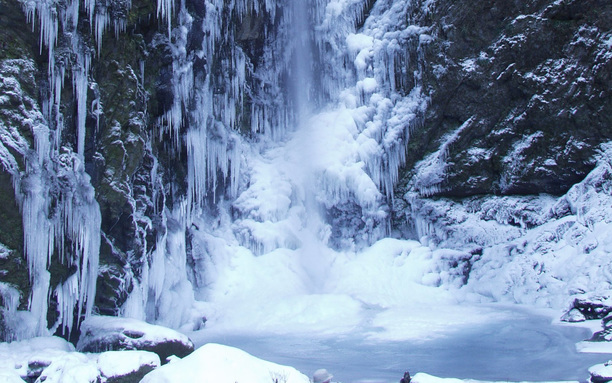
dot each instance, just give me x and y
(573, 315)
(601, 373)
(426, 378)
(586, 309)
(223, 364)
(52, 359)
(100, 333)
(119, 366)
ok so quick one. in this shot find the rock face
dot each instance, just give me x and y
(115, 110)
(520, 97)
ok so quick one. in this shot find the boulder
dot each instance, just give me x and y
(591, 308)
(102, 333)
(126, 366)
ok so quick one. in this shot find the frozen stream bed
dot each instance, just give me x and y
(512, 344)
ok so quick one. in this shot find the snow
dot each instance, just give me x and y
(223, 364)
(594, 347)
(426, 378)
(601, 371)
(57, 361)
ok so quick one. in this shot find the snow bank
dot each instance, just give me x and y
(223, 364)
(426, 378)
(52, 359)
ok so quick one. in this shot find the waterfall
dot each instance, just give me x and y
(301, 78)
(291, 119)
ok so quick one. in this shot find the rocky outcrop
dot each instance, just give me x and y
(126, 366)
(519, 97)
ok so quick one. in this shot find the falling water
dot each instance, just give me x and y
(301, 78)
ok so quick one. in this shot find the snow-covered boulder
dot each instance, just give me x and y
(223, 364)
(48, 359)
(595, 308)
(53, 359)
(126, 366)
(102, 333)
(605, 334)
(601, 373)
(573, 315)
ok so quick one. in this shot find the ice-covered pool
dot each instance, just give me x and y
(514, 345)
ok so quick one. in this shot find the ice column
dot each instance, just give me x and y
(302, 75)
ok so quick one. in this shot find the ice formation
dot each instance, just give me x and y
(61, 218)
(292, 159)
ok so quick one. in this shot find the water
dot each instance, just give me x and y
(522, 347)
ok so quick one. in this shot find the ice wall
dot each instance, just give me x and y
(61, 218)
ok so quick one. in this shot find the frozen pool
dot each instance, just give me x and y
(515, 345)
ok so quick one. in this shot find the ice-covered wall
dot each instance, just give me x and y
(60, 216)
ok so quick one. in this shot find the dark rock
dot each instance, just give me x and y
(524, 97)
(406, 378)
(99, 334)
(605, 335)
(35, 369)
(591, 309)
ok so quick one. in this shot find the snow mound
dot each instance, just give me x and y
(426, 378)
(224, 364)
(101, 333)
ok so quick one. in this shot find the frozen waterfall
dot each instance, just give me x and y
(292, 147)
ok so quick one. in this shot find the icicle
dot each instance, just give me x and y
(196, 157)
(80, 74)
(67, 295)
(165, 9)
(10, 299)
